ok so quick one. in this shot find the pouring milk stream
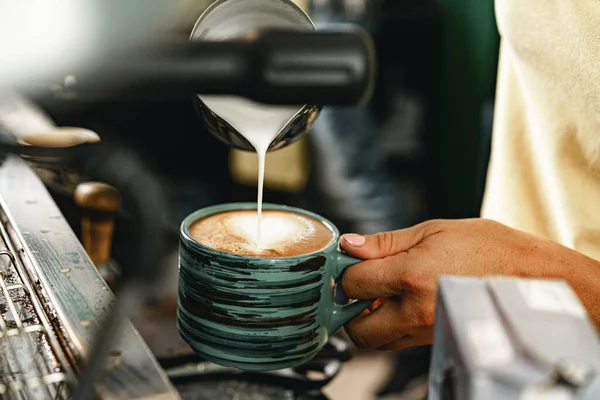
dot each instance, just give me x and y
(259, 124)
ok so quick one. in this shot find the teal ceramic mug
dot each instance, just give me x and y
(257, 313)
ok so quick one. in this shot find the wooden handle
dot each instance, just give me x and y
(100, 203)
(59, 137)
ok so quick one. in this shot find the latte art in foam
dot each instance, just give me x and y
(259, 124)
(284, 234)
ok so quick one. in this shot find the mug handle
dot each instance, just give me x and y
(341, 314)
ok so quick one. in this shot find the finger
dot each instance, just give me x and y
(377, 328)
(420, 337)
(375, 305)
(371, 308)
(383, 244)
(376, 278)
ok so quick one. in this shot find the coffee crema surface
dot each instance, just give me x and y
(284, 234)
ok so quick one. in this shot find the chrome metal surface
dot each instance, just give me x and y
(231, 19)
(32, 365)
(61, 282)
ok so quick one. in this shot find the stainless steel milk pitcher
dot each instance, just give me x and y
(236, 19)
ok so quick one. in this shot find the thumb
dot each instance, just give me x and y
(382, 244)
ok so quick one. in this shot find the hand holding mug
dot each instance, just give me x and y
(402, 270)
(260, 308)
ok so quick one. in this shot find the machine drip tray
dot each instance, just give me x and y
(227, 388)
(195, 378)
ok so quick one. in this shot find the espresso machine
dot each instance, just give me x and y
(512, 338)
(63, 332)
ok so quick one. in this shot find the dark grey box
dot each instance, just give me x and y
(512, 338)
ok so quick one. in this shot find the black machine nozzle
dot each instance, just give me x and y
(288, 67)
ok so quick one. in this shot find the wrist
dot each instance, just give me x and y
(581, 272)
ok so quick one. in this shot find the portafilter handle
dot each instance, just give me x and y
(99, 204)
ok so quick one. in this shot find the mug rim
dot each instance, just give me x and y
(221, 208)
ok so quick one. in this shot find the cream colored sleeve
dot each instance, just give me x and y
(544, 174)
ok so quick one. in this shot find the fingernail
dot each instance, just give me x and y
(355, 240)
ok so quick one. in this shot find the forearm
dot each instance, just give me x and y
(584, 277)
(551, 260)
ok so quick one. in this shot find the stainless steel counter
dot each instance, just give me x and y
(71, 295)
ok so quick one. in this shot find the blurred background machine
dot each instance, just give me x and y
(512, 338)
